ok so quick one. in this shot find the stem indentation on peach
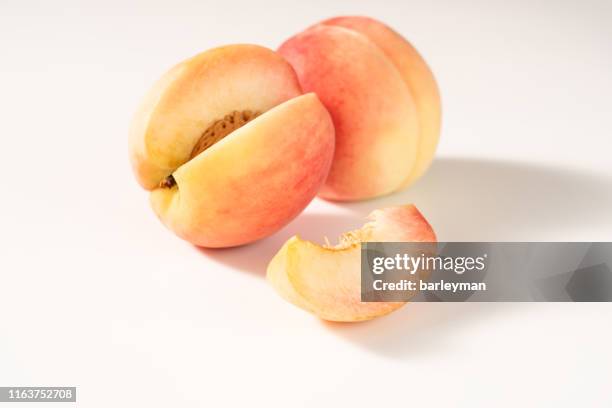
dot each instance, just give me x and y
(168, 182)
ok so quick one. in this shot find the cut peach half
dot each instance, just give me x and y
(229, 147)
(326, 280)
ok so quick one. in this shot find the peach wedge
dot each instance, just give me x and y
(383, 100)
(325, 280)
(229, 147)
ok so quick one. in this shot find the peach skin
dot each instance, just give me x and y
(383, 100)
(229, 147)
(325, 280)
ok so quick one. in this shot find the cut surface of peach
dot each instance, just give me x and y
(229, 147)
(326, 280)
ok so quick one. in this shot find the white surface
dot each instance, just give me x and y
(94, 292)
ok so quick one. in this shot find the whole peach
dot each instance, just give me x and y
(383, 100)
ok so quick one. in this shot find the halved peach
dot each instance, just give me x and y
(326, 280)
(383, 99)
(229, 147)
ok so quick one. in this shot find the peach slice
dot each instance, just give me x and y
(229, 147)
(326, 280)
(383, 99)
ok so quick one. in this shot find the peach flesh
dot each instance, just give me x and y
(222, 128)
(253, 181)
(215, 132)
(325, 280)
(229, 147)
(194, 94)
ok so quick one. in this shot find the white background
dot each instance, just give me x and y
(95, 293)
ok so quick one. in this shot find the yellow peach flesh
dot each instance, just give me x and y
(195, 94)
(231, 186)
(252, 182)
(325, 280)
